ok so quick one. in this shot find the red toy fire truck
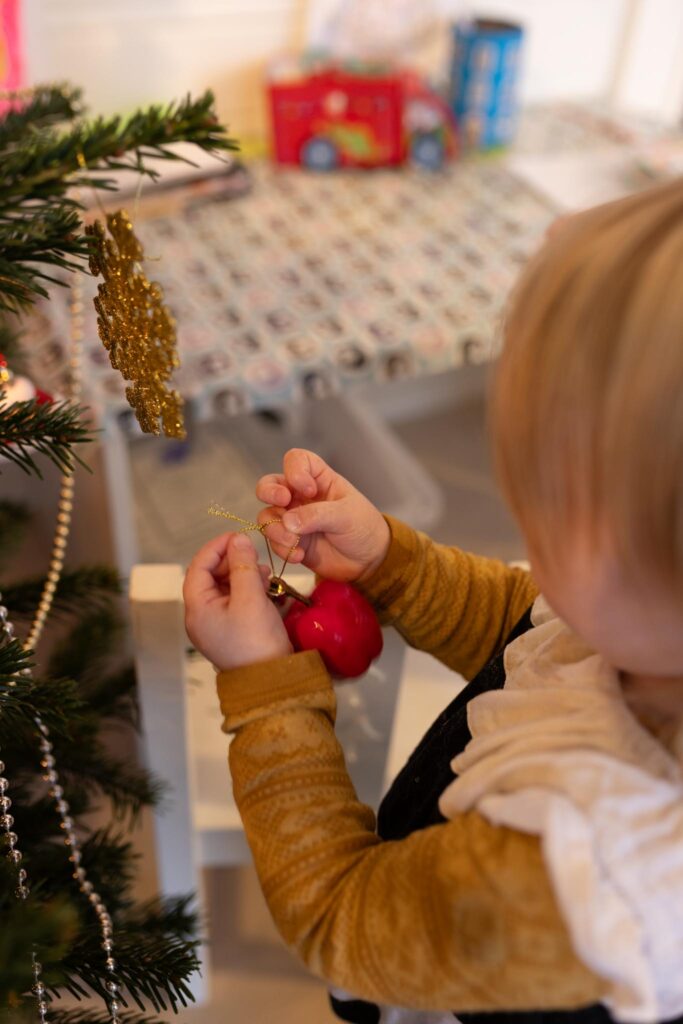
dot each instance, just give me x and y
(326, 116)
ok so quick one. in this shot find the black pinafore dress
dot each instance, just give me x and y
(412, 803)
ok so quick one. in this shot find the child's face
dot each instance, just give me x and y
(637, 629)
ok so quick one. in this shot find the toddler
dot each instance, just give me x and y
(529, 857)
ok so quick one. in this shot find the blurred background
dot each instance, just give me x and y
(339, 284)
(125, 53)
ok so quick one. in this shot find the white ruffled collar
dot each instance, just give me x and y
(558, 753)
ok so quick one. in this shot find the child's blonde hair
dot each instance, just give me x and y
(587, 411)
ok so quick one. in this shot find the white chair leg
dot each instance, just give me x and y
(157, 617)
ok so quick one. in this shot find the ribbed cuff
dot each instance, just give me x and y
(388, 582)
(250, 691)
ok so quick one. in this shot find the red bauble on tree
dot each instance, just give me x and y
(341, 624)
(15, 388)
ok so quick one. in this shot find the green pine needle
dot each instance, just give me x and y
(79, 589)
(109, 860)
(49, 105)
(128, 788)
(86, 651)
(21, 699)
(114, 696)
(91, 1016)
(14, 521)
(30, 428)
(154, 967)
(10, 343)
(46, 235)
(49, 925)
(13, 658)
(39, 222)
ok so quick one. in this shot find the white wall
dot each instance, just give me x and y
(571, 46)
(649, 75)
(125, 52)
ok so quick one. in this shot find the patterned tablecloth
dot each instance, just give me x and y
(310, 282)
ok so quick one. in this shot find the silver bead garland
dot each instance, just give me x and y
(51, 776)
(48, 764)
(39, 989)
(13, 853)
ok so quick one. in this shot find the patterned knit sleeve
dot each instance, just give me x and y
(459, 607)
(459, 916)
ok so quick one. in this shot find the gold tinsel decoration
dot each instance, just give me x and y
(135, 326)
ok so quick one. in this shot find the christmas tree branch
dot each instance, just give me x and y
(85, 652)
(46, 235)
(90, 653)
(92, 586)
(49, 925)
(29, 428)
(47, 167)
(38, 219)
(114, 696)
(109, 860)
(14, 521)
(10, 344)
(13, 659)
(21, 699)
(153, 967)
(91, 1016)
(129, 788)
(159, 915)
(83, 759)
(45, 107)
(36, 819)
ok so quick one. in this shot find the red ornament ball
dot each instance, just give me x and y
(17, 388)
(341, 624)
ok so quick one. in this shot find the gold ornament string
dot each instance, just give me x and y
(277, 587)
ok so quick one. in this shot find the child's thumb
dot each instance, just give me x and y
(246, 582)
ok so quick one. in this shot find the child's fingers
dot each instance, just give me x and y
(200, 579)
(224, 572)
(275, 531)
(318, 517)
(290, 554)
(282, 543)
(305, 471)
(273, 490)
(246, 582)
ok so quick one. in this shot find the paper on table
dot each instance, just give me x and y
(574, 181)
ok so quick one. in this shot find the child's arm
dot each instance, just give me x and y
(459, 607)
(460, 916)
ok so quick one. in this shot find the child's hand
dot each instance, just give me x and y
(342, 535)
(228, 616)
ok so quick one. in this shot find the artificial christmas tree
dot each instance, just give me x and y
(67, 920)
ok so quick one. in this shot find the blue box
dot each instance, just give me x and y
(484, 81)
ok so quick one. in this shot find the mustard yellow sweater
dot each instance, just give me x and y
(459, 916)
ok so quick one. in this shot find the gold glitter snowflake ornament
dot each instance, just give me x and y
(135, 326)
